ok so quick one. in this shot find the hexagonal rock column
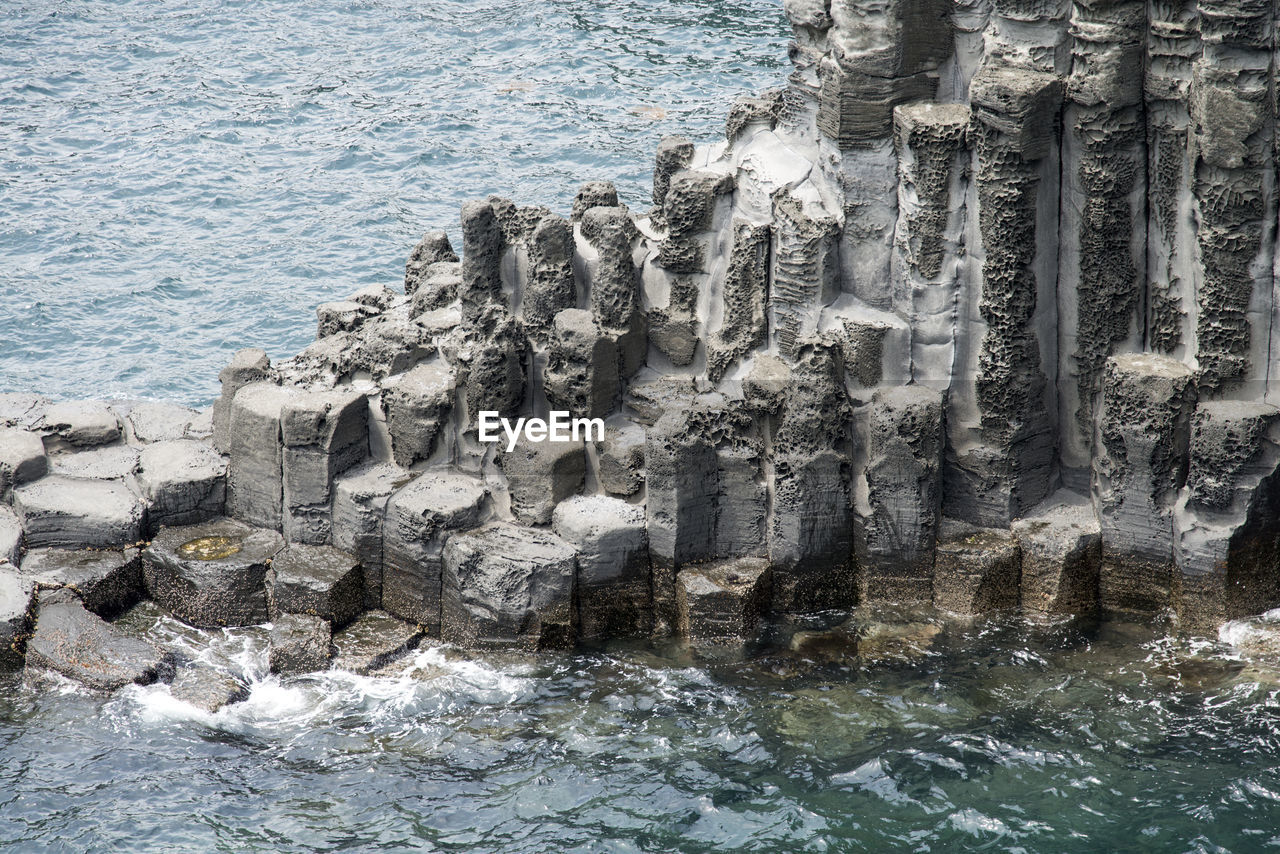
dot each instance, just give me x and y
(359, 507)
(82, 646)
(720, 604)
(897, 525)
(1144, 427)
(977, 573)
(324, 434)
(621, 457)
(615, 285)
(613, 582)
(299, 643)
(255, 480)
(682, 481)
(247, 366)
(509, 586)
(1227, 520)
(420, 517)
(67, 512)
(22, 458)
(184, 482)
(373, 641)
(106, 580)
(316, 580)
(17, 607)
(213, 574)
(1061, 545)
(542, 474)
(582, 366)
(83, 423)
(417, 404)
(810, 529)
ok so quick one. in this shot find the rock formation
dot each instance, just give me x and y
(977, 310)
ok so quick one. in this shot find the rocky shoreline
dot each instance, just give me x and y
(984, 324)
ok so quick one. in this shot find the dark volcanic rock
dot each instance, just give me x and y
(300, 644)
(213, 574)
(107, 581)
(316, 580)
(82, 646)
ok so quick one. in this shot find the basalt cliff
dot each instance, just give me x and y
(976, 310)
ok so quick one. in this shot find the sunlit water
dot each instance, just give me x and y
(182, 178)
(1000, 736)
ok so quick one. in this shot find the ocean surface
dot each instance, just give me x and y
(991, 736)
(183, 178)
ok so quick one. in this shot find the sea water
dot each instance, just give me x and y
(183, 178)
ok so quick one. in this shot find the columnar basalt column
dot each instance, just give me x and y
(933, 171)
(615, 285)
(1001, 408)
(1102, 248)
(1143, 430)
(1233, 182)
(1227, 521)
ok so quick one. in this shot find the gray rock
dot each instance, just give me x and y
(206, 688)
(213, 574)
(160, 422)
(22, 458)
(621, 457)
(582, 366)
(594, 194)
(897, 525)
(482, 247)
(542, 474)
(1226, 540)
(375, 640)
(83, 424)
(674, 154)
(1144, 430)
(720, 604)
(417, 404)
(324, 434)
(613, 578)
(300, 643)
(22, 410)
(317, 580)
(508, 586)
(977, 573)
(82, 646)
(107, 581)
(432, 249)
(255, 478)
(1061, 547)
(183, 481)
(17, 612)
(420, 518)
(359, 507)
(551, 286)
(66, 512)
(114, 462)
(247, 366)
(10, 538)
(615, 287)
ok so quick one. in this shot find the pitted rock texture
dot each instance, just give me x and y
(1002, 271)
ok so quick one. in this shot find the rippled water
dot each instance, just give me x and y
(1001, 736)
(182, 178)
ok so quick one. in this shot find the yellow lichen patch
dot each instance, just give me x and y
(209, 548)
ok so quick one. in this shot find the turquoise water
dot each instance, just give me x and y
(994, 736)
(182, 179)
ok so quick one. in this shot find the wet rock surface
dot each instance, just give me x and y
(80, 645)
(213, 574)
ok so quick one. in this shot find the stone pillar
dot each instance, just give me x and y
(1143, 431)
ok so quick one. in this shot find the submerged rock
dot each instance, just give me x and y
(82, 646)
(206, 688)
(373, 641)
(300, 643)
